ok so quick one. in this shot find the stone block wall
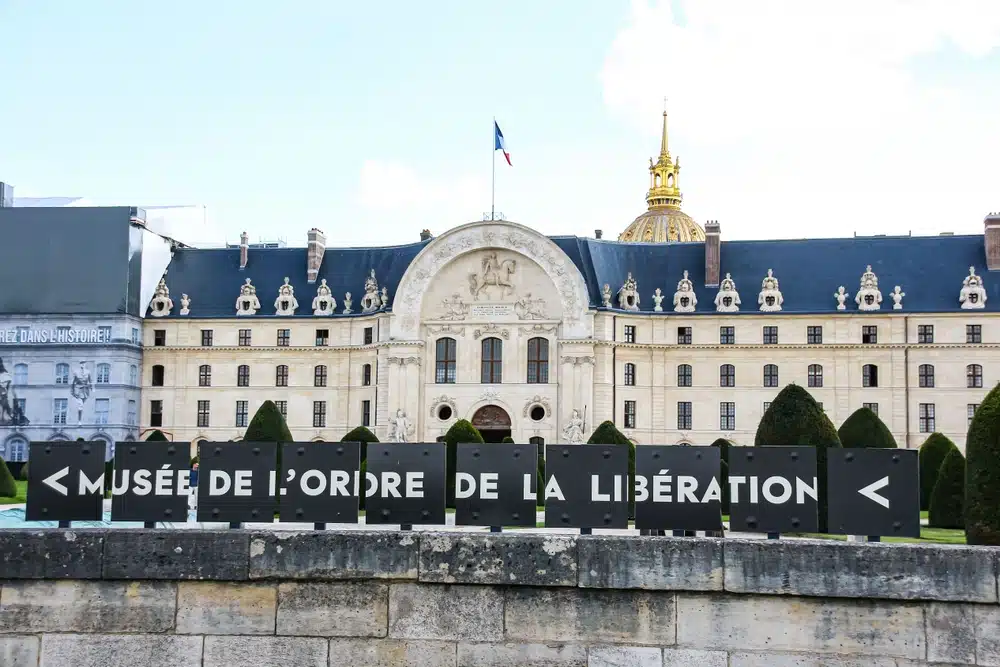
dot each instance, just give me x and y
(137, 598)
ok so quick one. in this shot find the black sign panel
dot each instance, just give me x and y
(405, 484)
(151, 482)
(319, 482)
(586, 486)
(495, 484)
(874, 492)
(677, 488)
(65, 481)
(773, 490)
(237, 481)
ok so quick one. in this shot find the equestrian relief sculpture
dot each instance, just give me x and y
(493, 273)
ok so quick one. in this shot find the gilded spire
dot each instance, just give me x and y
(664, 151)
(664, 188)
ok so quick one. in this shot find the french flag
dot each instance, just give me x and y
(498, 142)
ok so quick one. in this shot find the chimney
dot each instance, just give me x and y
(316, 247)
(425, 235)
(6, 195)
(244, 250)
(992, 225)
(713, 253)
(598, 233)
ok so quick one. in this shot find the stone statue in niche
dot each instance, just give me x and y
(684, 298)
(770, 298)
(347, 303)
(973, 294)
(161, 304)
(658, 301)
(455, 308)
(385, 297)
(323, 303)
(728, 299)
(527, 308)
(247, 303)
(185, 305)
(400, 428)
(869, 297)
(371, 301)
(493, 272)
(574, 428)
(841, 296)
(897, 298)
(628, 295)
(606, 296)
(286, 303)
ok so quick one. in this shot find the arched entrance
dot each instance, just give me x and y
(493, 422)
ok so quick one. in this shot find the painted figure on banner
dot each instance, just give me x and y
(494, 273)
(10, 413)
(80, 389)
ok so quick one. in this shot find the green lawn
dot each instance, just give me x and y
(22, 493)
(927, 536)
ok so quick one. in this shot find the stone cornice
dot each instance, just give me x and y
(795, 346)
(286, 348)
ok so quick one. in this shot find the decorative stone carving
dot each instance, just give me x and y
(400, 428)
(684, 298)
(454, 308)
(347, 303)
(443, 400)
(577, 361)
(371, 301)
(185, 305)
(527, 308)
(841, 296)
(447, 329)
(728, 299)
(973, 294)
(493, 272)
(628, 294)
(574, 428)
(769, 299)
(490, 394)
(403, 361)
(385, 297)
(606, 296)
(247, 303)
(897, 298)
(868, 297)
(537, 400)
(286, 303)
(658, 301)
(491, 329)
(161, 305)
(323, 303)
(537, 329)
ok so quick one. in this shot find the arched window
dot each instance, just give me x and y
(204, 375)
(133, 375)
(21, 374)
(770, 375)
(538, 361)
(17, 450)
(157, 376)
(925, 375)
(684, 375)
(869, 375)
(444, 364)
(629, 375)
(727, 375)
(319, 376)
(492, 361)
(537, 440)
(366, 375)
(62, 373)
(243, 376)
(815, 375)
(974, 376)
(281, 375)
(103, 374)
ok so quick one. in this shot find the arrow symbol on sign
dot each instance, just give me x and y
(53, 481)
(869, 492)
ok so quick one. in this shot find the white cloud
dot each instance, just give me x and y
(388, 186)
(808, 118)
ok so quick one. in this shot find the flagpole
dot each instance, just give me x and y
(493, 190)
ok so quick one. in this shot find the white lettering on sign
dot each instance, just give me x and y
(390, 482)
(59, 336)
(528, 493)
(491, 310)
(52, 481)
(595, 489)
(552, 490)
(869, 491)
(163, 482)
(776, 490)
(466, 485)
(687, 489)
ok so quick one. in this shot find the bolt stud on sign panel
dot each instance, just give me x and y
(405, 484)
(677, 488)
(152, 481)
(65, 481)
(773, 490)
(586, 486)
(495, 484)
(874, 492)
(319, 482)
(237, 481)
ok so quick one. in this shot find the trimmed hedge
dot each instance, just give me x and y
(608, 434)
(932, 454)
(948, 497)
(8, 489)
(982, 473)
(156, 436)
(460, 431)
(24, 471)
(864, 430)
(795, 418)
(508, 439)
(363, 435)
(268, 425)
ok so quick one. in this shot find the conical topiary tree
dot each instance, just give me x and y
(461, 431)
(724, 446)
(156, 436)
(8, 489)
(364, 436)
(932, 454)
(268, 425)
(607, 433)
(948, 497)
(508, 440)
(982, 473)
(795, 418)
(864, 430)
(24, 471)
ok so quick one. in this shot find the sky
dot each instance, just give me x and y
(373, 120)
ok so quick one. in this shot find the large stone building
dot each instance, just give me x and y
(672, 333)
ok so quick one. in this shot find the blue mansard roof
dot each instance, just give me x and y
(929, 270)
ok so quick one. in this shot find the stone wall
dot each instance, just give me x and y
(133, 598)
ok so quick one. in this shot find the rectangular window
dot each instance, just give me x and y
(727, 416)
(767, 405)
(770, 375)
(684, 417)
(629, 333)
(159, 337)
(284, 337)
(281, 376)
(244, 338)
(973, 333)
(130, 415)
(629, 414)
(814, 335)
(869, 335)
(366, 413)
(538, 361)
(156, 413)
(927, 424)
(366, 375)
(102, 410)
(925, 333)
(103, 374)
(629, 375)
(207, 336)
(104, 334)
(684, 375)
(282, 408)
(21, 406)
(135, 336)
(243, 376)
(770, 335)
(683, 335)
(60, 407)
(369, 335)
(492, 364)
(319, 414)
(319, 376)
(727, 375)
(322, 337)
(970, 410)
(925, 375)
(242, 413)
(869, 375)
(871, 406)
(727, 335)
(203, 414)
(445, 361)
(204, 375)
